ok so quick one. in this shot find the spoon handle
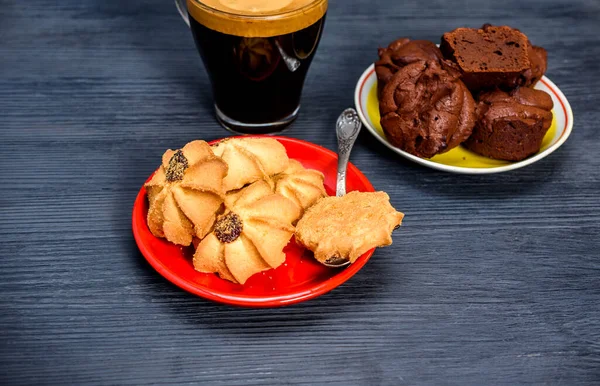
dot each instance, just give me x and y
(347, 128)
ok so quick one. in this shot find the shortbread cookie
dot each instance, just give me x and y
(250, 236)
(250, 160)
(185, 193)
(344, 228)
(303, 186)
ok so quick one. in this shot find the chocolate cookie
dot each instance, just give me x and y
(400, 53)
(511, 126)
(426, 109)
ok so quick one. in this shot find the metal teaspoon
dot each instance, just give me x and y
(347, 127)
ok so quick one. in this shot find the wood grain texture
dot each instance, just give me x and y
(491, 280)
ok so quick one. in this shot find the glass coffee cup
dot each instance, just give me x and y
(256, 54)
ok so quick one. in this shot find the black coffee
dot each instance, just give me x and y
(257, 80)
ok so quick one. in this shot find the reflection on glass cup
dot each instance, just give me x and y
(257, 54)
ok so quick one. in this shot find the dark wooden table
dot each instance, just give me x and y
(491, 280)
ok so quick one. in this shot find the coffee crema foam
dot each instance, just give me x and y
(257, 18)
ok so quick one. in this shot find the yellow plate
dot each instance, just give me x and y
(459, 159)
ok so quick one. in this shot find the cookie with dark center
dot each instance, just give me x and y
(251, 236)
(185, 193)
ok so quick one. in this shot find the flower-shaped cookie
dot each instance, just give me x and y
(185, 193)
(303, 186)
(250, 160)
(343, 228)
(250, 236)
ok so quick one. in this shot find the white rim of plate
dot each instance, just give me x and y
(562, 111)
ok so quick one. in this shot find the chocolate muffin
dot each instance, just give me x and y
(494, 57)
(400, 53)
(538, 58)
(426, 109)
(511, 126)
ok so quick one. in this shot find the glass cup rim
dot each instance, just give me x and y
(257, 17)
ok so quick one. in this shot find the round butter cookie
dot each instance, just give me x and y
(343, 228)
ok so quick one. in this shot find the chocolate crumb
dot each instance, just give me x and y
(228, 227)
(177, 166)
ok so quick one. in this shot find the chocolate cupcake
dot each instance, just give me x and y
(538, 57)
(494, 57)
(426, 109)
(511, 126)
(402, 52)
(538, 60)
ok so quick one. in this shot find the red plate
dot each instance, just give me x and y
(300, 278)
